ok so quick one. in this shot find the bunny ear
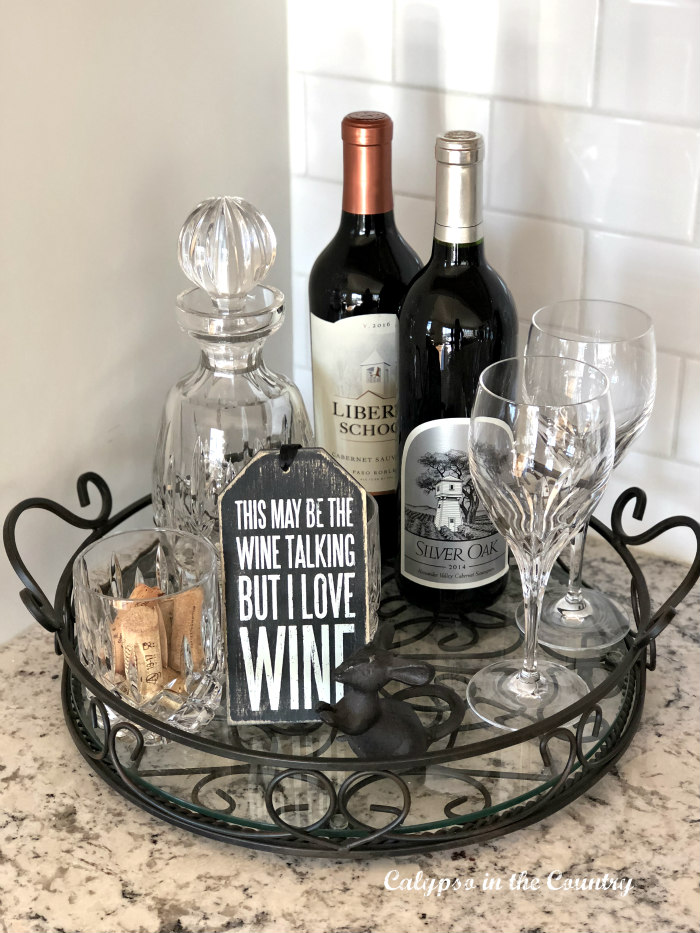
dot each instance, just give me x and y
(415, 673)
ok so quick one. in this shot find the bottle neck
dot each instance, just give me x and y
(367, 179)
(457, 254)
(369, 225)
(227, 358)
(458, 203)
(231, 341)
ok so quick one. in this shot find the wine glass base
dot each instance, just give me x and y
(578, 633)
(500, 696)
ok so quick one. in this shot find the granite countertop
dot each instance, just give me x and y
(75, 856)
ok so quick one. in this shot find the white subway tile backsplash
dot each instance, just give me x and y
(541, 261)
(658, 436)
(579, 201)
(297, 124)
(650, 58)
(358, 43)
(316, 209)
(419, 116)
(304, 381)
(672, 489)
(592, 169)
(415, 218)
(534, 49)
(689, 415)
(660, 278)
(300, 321)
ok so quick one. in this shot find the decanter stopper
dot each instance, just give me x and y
(227, 247)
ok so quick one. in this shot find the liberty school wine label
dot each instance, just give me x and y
(447, 539)
(293, 544)
(354, 370)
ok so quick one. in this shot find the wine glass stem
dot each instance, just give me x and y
(534, 583)
(574, 592)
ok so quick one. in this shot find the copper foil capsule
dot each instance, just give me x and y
(367, 136)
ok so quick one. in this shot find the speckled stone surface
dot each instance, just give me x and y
(74, 856)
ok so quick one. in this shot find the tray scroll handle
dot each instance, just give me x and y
(32, 595)
(648, 634)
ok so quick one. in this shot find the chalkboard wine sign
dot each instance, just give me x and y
(295, 583)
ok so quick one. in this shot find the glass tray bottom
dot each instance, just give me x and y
(289, 784)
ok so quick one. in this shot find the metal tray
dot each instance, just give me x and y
(300, 790)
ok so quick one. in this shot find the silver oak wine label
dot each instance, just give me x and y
(447, 539)
(354, 372)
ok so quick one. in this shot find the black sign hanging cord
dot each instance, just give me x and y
(287, 454)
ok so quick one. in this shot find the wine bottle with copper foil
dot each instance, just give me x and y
(355, 289)
(457, 318)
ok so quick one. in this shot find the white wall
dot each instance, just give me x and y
(116, 119)
(591, 112)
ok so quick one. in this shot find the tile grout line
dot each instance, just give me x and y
(393, 42)
(672, 461)
(583, 109)
(293, 175)
(488, 176)
(575, 224)
(696, 227)
(665, 349)
(306, 125)
(681, 354)
(584, 262)
(676, 416)
(597, 56)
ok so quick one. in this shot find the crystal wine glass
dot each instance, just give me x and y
(619, 340)
(541, 447)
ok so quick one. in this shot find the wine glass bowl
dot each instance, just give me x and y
(617, 339)
(541, 448)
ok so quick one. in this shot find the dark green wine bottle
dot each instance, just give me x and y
(355, 289)
(458, 317)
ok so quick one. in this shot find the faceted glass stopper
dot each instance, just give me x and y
(227, 247)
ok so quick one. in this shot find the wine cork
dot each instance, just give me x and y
(187, 623)
(143, 591)
(118, 644)
(140, 626)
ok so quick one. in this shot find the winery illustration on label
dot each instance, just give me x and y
(447, 539)
(354, 371)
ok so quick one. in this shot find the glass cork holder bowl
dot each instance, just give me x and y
(231, 406)
(148, 623)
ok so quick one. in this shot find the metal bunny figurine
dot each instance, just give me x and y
(387, 727)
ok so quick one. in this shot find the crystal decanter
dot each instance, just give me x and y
(232, 405)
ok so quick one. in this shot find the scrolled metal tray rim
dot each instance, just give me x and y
(59, 620)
